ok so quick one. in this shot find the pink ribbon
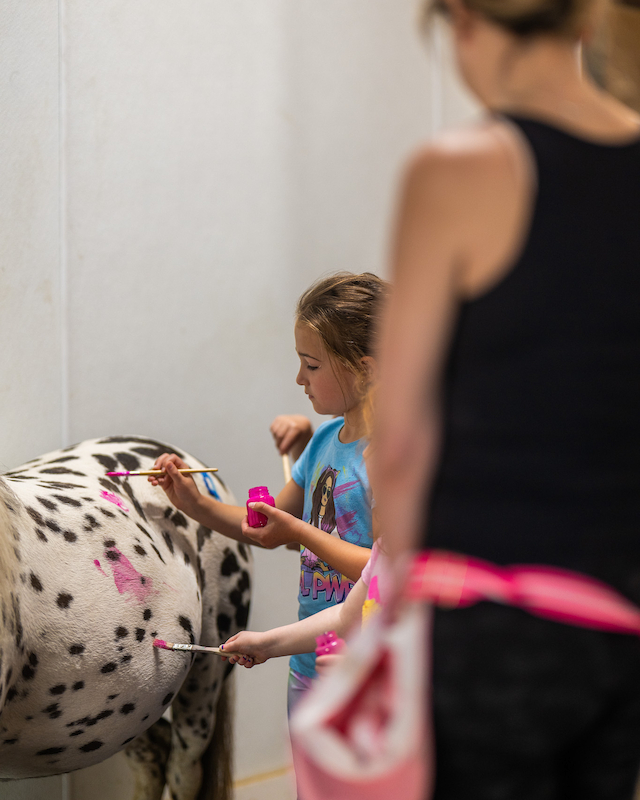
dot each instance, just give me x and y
(453, 580)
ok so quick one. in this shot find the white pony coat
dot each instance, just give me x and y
(101, 567)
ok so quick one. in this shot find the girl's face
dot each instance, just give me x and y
(330, 386)
(326, 492)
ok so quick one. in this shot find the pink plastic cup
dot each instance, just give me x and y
(329, 644)
(259, 494)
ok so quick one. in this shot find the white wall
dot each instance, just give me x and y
(172, 177)
(29, 242)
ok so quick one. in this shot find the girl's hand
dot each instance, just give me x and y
(247, 648)
(291, 433)
(180, 489)
(281, 528)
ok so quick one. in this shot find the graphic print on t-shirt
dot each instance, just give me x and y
(337, 502)
(323, 516)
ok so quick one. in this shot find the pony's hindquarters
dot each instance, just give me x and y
(107, 565)
(103, 570)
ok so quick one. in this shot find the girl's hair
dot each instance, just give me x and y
(526, 17)
(344, 310)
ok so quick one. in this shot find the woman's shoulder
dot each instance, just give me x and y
(467, 198)
(465, 155)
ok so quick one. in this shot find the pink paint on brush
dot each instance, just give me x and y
(127, 579)
(113, 498)
(161, 644)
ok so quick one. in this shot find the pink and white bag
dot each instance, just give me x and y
(362, 733)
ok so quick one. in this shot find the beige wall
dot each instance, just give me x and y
(173, 176)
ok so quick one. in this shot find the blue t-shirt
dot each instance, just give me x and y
(337, 500)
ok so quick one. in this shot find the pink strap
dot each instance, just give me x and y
(453, 580)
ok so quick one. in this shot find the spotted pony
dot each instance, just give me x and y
(92, 569)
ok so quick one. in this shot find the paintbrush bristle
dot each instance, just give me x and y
(162, 644)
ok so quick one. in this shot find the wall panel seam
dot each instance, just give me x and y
(437, 80)
(62, 230)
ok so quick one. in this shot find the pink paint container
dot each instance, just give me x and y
(329, 644)
(259, 494)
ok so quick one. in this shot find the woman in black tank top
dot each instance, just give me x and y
(509, 411)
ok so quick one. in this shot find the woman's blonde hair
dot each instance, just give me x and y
(344, 311)
(525, 17)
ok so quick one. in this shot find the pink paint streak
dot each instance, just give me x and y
(374, 591)
(346, 522)
(113, 498)
(341, 488)
(127, 579)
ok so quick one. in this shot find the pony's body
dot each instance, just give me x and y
(97, 567)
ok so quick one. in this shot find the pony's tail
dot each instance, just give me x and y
(9, 612)
(217, 759)
(8, 545)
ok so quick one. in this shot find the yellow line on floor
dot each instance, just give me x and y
(263, 776)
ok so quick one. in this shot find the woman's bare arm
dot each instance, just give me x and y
(463, 207)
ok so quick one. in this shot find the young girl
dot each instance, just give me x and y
(364, 600)
(326, 507)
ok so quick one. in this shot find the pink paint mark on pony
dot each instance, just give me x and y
(127, 579)
(113, 498)
(99, 568)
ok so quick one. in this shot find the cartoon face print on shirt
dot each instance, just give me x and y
(323, 507)
(323, 516)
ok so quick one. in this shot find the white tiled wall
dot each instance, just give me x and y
(172, 177)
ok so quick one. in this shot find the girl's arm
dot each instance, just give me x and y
(299, 637)
(221, 517)
(349, 559)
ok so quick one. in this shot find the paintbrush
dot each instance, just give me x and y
(161, 472)
(194, 648)
(286, 467)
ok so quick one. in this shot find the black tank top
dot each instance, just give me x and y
(541, 452)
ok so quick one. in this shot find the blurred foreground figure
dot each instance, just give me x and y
(509, 407)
